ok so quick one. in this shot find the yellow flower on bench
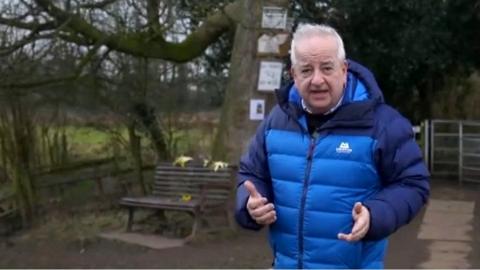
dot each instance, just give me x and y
(181, 161)
(186, 197)
(206, 162)
(219, 165)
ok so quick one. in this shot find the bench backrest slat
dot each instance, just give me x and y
(193, 178)
(191, 191)
(178, 182)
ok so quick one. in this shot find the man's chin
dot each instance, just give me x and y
(319, 107)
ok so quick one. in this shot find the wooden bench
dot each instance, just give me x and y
(196, 190)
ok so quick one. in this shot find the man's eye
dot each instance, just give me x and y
(305, 71)
(327, 70)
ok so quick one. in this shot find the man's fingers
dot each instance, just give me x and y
(344, 236)
(258, 207)
(254, 203)
(358, 232)
(262, 210)
(268, 218)
(251, 189)
(349, 237)
(359, 227)
(355, 235)
(361, 217)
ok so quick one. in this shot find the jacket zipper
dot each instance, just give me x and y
(306, 181)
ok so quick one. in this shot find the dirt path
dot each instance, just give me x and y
(245, 250)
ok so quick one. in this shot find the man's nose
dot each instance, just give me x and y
(317, 78)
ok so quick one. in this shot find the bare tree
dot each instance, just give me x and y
(144, 29)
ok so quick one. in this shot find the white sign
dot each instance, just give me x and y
(270, 76)
(257, 109)
(271, 44)
(274, 17)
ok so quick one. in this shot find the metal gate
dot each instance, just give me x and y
(452, 149)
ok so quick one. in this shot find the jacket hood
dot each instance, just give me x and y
(361, 86)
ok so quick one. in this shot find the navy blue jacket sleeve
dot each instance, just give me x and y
(404, 176)
(254, 167)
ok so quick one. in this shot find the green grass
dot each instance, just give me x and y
(87, 135)
(87, 142)
(192, 142)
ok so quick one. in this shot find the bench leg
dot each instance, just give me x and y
(230, 219)
(130, 218)
(196, 223)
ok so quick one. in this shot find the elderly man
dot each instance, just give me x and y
(332, 170)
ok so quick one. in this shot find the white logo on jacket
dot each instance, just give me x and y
(344, 148)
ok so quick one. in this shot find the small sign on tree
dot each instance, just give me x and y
(274, 18)
(276, 45)
(270, 76)
(257, 109)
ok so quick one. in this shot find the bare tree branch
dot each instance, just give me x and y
(21, 43)
(74, 38)
(142, 44)
(74, 21)
(27, 85)
(99, 5)
(34, 26)
(75, 75)
(153, 15)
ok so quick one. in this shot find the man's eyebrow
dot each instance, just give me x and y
(304, 65)
(328, 62)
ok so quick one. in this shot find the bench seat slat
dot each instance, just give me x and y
(169, 168)
(189, 192)
(190, 178)
(190, 172)
(161, 201)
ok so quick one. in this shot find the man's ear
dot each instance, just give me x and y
(345, 69)
(292, 73)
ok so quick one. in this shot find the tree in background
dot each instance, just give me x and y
(25, 141)
(141, 30)
(415, 48)
(94, 75)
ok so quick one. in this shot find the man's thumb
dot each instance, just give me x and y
(251, 189)
(357, 208)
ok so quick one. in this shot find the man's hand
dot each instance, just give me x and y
(258, 207)
(361, 218)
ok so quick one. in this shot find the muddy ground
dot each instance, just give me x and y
(72, 243)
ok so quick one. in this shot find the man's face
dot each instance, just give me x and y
(318, 74)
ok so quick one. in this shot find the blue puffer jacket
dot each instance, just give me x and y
(365, 153)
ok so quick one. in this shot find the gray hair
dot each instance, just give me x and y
(322, 30)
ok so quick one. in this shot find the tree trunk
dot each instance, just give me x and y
(135, 149)
(146, 115)
(235, 127)
(21, 152)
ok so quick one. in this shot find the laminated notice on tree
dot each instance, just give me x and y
(274, 18)
(257, 109)
(273, 44)
(270, 76)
